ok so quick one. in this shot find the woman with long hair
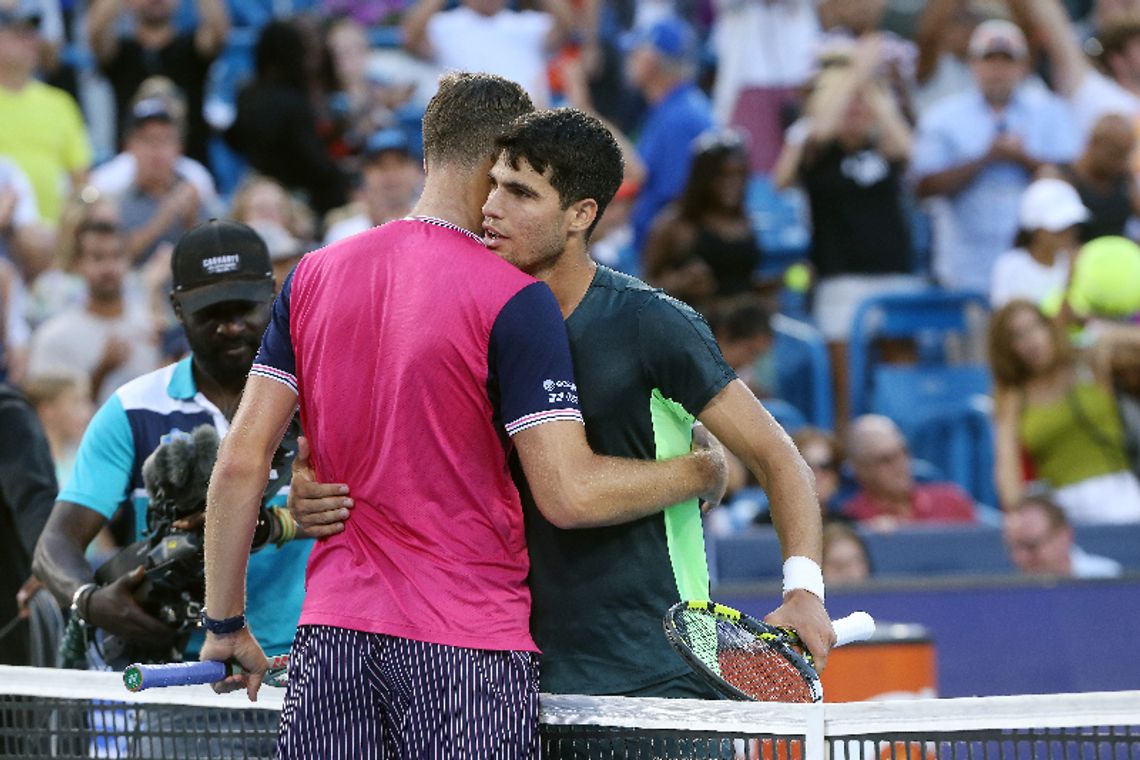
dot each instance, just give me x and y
(1057, 416)
(276, 124)
(703, 246)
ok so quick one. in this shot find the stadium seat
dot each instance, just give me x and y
(931, 318)
(803, 370)
(778, 217)
(910, 551)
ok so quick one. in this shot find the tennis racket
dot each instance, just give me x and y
(148, 676)
(747, 659)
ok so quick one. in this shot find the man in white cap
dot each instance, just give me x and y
(975, 153)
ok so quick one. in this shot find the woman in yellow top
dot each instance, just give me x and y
(1059, 410)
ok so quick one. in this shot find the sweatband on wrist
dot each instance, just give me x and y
(805, 573)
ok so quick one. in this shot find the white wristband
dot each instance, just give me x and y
(803, 572)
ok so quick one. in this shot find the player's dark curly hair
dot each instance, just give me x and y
(581, 153)
(465, 116)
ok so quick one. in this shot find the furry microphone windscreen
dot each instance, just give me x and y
(179, 470)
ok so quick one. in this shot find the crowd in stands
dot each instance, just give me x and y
(973, 146)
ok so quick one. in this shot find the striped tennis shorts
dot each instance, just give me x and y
(369, 695)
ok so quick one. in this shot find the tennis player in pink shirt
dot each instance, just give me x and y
(420, 361)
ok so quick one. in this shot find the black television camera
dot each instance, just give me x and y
(176, 476)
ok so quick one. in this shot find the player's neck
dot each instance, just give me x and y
(453, 197)
(570, 278)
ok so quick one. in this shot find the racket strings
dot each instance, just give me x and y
(753, 663)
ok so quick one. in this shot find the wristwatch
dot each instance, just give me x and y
(223, 626)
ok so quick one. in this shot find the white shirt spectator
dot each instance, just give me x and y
(347, 227)
(115, 176)
(1017, 274)
(761, 44)
(510, 43)
(76, 339)
(1087, 565)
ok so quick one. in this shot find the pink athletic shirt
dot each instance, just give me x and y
(415, 353)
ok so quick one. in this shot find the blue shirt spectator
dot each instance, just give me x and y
(976, 152)
(660, 65)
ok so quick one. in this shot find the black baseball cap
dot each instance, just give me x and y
(220, 260)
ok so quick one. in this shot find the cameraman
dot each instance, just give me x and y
(221, 294)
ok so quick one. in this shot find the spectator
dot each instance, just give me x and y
(743, 329)
(976, 152)
(1091, 93)
(27, 488)
(943, 37)
(1059, 410)
(116, 175)
(110, 338)
(154, 47)
(1037, 269)
(160, 204)
(390, 180)
(845, 556)
(276, 124)
(764, 53)
(823, 454)
(849, 22)
(488, 36)
(62, 401)
(30, 111)
(661, 65)
(265, 200)
(1103, 177)
(702, 247)
(1040, 541)
(18, 210)
(889, 495)
(224, 310)
(14, 333)
(361, 97)
(849, 153)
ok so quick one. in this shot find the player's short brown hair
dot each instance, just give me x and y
(467, 114)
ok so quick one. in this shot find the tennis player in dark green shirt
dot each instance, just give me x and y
(647, 367)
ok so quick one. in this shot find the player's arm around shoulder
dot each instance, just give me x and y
(744, 426)
(576, 488)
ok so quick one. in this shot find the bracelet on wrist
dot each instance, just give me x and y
(805, 573)
(223, 626)
(80, 599)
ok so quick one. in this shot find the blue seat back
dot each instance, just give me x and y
(803, 370)
(928, 317)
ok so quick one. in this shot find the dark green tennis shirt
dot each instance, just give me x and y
(646, 364)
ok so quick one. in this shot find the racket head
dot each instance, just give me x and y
(740, 656)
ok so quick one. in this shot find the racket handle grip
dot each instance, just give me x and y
(142, 676)
(858, 626)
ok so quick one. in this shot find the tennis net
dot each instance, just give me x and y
(46, 713)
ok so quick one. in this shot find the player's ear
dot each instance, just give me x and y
(582, 214)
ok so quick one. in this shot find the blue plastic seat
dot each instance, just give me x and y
(804, 370)
(929, 317)
(778, 220)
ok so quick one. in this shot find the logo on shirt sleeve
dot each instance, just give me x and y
(560, 391)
